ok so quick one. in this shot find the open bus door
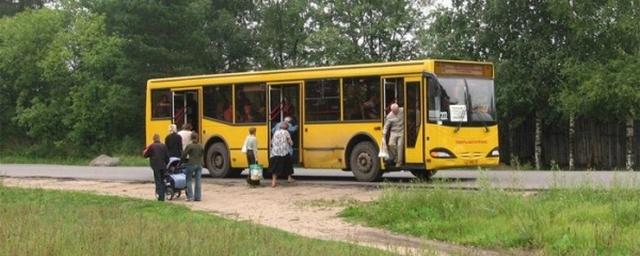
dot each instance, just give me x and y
(284, 101)
(186, 108)
(393, 92)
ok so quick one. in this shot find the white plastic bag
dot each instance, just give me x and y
(384, 154)
(255, 172)
(244, 146)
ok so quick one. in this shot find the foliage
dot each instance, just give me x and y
(574, 221)
(524, 39)
(281, 33)
(12, 7)
(348, 32)
(63, 67)
(601, 77)
(72, 223)
(73, 72)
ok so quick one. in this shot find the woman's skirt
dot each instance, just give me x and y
(281, 165)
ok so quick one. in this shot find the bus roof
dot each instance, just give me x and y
(296, 74)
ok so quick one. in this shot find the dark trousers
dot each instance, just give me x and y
(251, 159)
(158, 177)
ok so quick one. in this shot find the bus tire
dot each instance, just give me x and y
(364, 162)
(218, 160)
(424, 174)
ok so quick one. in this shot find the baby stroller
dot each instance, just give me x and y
(175, 181)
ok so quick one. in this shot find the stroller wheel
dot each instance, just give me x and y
(170, 193)
(179, 193)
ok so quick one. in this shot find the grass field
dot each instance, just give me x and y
(580, 221)
(125, 160)
(46, 222)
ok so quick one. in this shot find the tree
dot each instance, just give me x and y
(524, 38)
(24, 43)
(281, 33)
(11, 7)
(229, 32)
(64, 68)
(356, 31)
(601, 76)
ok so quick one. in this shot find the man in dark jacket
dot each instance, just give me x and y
(173, 142)
(158, 155)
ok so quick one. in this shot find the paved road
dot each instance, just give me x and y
(526, 180)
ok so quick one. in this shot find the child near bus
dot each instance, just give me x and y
(250, 147)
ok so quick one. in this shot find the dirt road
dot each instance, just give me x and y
(307, 210)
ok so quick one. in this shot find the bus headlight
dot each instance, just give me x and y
(441, 153)
(494, 153)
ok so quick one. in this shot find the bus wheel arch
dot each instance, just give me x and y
(362, 154)
(360, 137)
(217, 158)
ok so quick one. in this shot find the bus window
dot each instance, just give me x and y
(361, 98)
(322, 100)
(217, 102)
(161, 103)
(251, 103)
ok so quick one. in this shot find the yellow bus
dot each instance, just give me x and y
(448, 111)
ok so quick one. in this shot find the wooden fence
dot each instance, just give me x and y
(598, 145)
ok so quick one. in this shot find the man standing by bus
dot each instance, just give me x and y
(158, 155)
(394, 125)
(194, 153)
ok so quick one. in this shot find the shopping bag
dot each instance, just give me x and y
(384, 154)
(255, 172)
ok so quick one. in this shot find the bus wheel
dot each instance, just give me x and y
(364, 162)
(423, 174)
(218, 161)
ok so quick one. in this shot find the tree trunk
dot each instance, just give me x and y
(512, 142)
(538, 142)
(629, 135)
(572, 140)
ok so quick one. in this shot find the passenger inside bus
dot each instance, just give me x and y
(228, 112)
(247, 115)
(163, 108)
(371, 107)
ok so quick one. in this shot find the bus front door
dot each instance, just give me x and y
(284, 100)
(414, 128)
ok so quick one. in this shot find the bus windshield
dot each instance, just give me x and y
(462, 100)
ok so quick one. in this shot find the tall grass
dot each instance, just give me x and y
(577, 221)
(41, 222)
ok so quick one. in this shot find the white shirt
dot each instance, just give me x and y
(186, 138)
